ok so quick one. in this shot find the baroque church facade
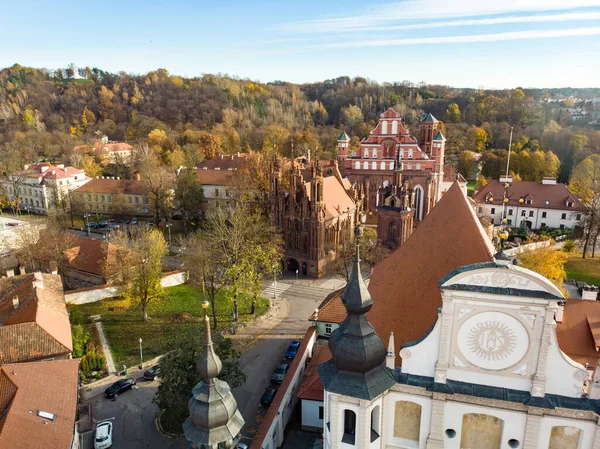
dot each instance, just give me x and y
(488, 373)
(315, 208)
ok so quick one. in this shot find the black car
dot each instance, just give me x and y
(268, 396)
(119, 387)
(152, 373)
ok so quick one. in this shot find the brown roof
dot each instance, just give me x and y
(107, 147)
(126, 186)
(41, 302)
(267, 420)
(335, 197)
(555, 194)
(91, 256)
(47, 386)
(331, 310)
(576, 332)
(404, 286)
(312, 387)
(214, 177)
(451, 174)
(225, 161)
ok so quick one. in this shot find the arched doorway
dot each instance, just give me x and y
(292, 265)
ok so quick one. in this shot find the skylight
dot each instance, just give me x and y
(45, 415)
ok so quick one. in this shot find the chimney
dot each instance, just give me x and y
(589, 292)
(504, 179)
(558, 315)
(38, 280)
(118, 178)
(22, 270)
(15, 302)
(549, 181)
(10, 273)
(137, 177)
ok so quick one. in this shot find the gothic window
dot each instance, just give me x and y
(407, 422)
(366, 165)
(392, 231)
(382, 166)
(391, 165)
(374, 166)
(384, 127)
(357, 165)
(394, 127)
(349, 427)
(564, 437)
(419, 203)
(480, 430)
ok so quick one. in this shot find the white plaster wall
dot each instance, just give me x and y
(421, 358)
(513, 426)
(340, 425)
(389, 415)
(172, 279)
(310, 413)
(586, 438)
(321, 329)
(553, 216)
(564, 376)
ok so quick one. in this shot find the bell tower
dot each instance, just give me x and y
(428, 126)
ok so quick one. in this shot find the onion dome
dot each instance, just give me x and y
(214, 421)
(357, 367)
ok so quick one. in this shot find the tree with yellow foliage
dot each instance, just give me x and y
(548, 262)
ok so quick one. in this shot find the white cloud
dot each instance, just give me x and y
(433, 9)
(509, 36)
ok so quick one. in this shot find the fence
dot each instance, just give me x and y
(93, 294)
(528, 247)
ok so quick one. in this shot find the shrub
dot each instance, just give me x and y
(80, 337)
(568, 246)
(76, 317)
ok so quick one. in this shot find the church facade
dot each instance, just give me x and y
(489, 373)
(315, 209)
(389, 147)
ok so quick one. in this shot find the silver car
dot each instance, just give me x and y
(103, 435)
(279, 373)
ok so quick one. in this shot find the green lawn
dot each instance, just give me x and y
(471, 187)
(174, 319)
(586, 270)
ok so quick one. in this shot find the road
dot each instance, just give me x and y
(133, 412)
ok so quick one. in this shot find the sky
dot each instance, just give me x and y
(462, 43)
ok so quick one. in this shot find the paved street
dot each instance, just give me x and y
(134, 411)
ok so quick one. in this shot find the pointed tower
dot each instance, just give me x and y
(428, 127)
(343, 147)
(215, 421)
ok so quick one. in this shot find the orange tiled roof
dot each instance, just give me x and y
(331, 310)
(404, 286)
(47, 386)
(91, 256)
(28, 342)
(48, 171)
(125, 186)
(576, 332)
(312, 387)
(214, 177)
(335, 197)
(107, 147)
(41, 301)
(225, 161)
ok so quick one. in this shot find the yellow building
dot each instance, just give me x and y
(114, 196)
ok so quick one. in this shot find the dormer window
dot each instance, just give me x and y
(569, 203)
(528, 201)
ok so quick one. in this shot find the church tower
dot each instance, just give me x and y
(215, 421)
(356, 377)
(428, 127)
(343, 148)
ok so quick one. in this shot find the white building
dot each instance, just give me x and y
(40, 187)
(533, 205)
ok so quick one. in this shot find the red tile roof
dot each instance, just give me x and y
(451, 174)
(214, 177)
(404, 286)
(41, 308)
(47, 171)
(125, 186)
(576, 332)
(225, 161)
(39, 386)
(312, 387)
(335, 197)
(91, 256)
(555, 194)
(331, 310)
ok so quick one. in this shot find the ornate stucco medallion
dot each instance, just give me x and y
(493, 340)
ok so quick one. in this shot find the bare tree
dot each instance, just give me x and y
(159, 180)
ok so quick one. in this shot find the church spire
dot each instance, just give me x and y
(357, 367)
(214, 421)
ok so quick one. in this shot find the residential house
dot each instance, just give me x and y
(34, 324)
(42, 188)
(38, 405)
(110, 152)
(88, 263)
(114, 196)
(328, 315)
(216, 185)
(532, 205)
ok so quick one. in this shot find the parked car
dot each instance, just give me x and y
(292, 349)
(152, 373)
(134, 220)
(119, 387)
(103, 435)
(268, 395)
(279, 373)
(93, 224)
(241, 446)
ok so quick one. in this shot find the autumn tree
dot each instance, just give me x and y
(351, 116)
(453, 113)
(548, 262)
(467, 163)
(189, 198)
(371, 252)
(585, 182)
(139, 266)
(208, 145)
(159, 182)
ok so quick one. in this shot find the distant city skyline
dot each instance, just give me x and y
(464, 43)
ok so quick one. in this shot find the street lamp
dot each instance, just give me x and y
(168, 226)
(86, 217)
(141, 359)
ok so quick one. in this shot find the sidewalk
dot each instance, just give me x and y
(252, 331)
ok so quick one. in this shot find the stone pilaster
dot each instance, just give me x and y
(335, 434)
(435, 440)
(538, 387)
(532, 431)
(363, 426)
(597, 438)
(441, 367)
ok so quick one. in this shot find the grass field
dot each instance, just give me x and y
(586, 270)
(471, 187)
(173, 319)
